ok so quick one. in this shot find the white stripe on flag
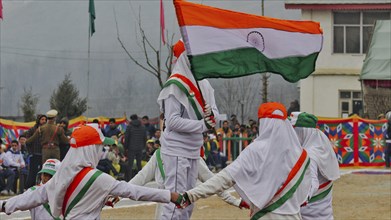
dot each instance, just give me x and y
(272, 43)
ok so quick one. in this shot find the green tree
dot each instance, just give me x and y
(66, 100)
(29, 104)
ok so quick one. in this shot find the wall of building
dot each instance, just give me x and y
(319, 94)
(327, 59)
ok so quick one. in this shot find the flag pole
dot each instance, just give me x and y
(1, 88)
(160, 40)
(88, 63)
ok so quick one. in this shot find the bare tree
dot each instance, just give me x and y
(238, 96)
(153, 63)
(265, 84)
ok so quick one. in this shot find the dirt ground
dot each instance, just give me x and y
(355, 196)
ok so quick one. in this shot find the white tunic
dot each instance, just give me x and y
(89, 207)
(324, 168)
(39, 212)
(151, 172)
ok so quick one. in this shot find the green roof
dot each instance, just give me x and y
(377, 63)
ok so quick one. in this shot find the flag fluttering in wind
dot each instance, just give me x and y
(1, 9)
(162, 24)
(91, 10)
(228, 44)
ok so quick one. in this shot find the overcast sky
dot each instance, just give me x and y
(42, 40)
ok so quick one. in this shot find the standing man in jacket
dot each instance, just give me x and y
(51, 136)
(135, 140)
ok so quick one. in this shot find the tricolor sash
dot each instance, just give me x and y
(323, 190)
(78, 188)
(192, 92)
(160, 163)
(295, 177)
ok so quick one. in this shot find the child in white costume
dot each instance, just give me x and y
(78, 190)
(270, 174)
(187, 115)
(324, 166)
(154, 170)
(49, 168)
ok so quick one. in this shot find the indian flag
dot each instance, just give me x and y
(227, 44)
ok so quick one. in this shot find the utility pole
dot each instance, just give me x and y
(241, 102)
(265, 76)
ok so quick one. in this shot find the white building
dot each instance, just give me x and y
(334, 89)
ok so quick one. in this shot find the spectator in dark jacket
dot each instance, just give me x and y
(35, 151)
(135, 143)
(150, 129)
(64, 147)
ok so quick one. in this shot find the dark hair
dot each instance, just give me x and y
(145, 117)
(112, 120)
(14, 141)
(95, 121)
(39, 116)
(133, 117)
(22, 136)
(157, 142)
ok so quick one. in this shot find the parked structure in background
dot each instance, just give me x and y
(334, 89)
(376, 72)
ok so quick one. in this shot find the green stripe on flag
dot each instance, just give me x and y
(248, 61)
(283, 199)
(190, 97)
(91, 10)
(82, 192)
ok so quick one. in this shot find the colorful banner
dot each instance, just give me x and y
(356, 141)
(11, 130)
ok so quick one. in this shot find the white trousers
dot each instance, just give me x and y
(180, 176)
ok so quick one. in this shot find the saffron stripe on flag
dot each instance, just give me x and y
(203, 15)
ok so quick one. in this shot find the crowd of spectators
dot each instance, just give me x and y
(20, 162)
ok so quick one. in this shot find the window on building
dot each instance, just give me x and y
(350, 103)
(353, 30)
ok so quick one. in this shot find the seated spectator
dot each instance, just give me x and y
(150, 129)
(254, 132)
(16, 163)
(157, 134)
(7, 176)
(225, 130)
(119, 144)
(112, 129)
(101, 126)
(156, 145)
(114, 157)
(150, 149)
(212, 152)
(105, 164)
